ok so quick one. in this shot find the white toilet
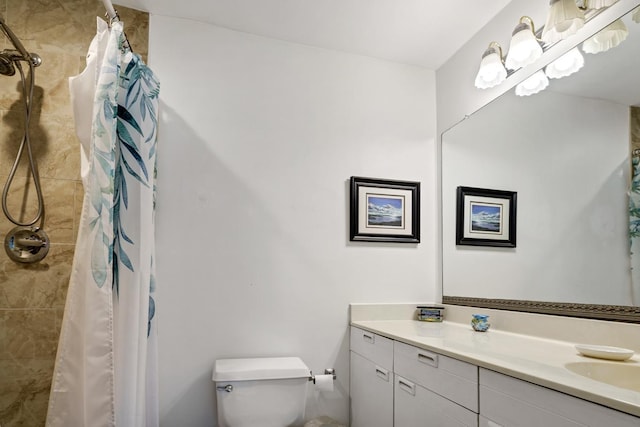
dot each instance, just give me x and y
(264, 392)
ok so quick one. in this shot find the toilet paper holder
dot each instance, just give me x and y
(328, 371)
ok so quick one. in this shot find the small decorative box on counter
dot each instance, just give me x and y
(430, 313)
(479, 322)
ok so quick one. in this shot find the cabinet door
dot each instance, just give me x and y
(415, 406)
(509, 402)
(371, 394)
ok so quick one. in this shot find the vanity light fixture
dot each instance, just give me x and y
(636, 15)
(609, 37)
(563, 20)
(534, 84)
(566, 65)
(492, 71)
(524, 48)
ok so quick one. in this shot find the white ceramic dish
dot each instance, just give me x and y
(604, 352)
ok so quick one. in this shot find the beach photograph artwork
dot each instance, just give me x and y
(385, 211)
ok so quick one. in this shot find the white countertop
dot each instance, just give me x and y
(537, 360)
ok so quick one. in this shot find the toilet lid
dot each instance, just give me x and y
(264, 368)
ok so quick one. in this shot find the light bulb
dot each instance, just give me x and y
(524, 48)
(492, 71)
(609, 37)
(534, 84)
(564, 19)
(566, 65)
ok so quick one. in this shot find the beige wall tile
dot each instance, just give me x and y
(24, 391)
(29, 334)
(58, 196)
(40, 285)
(54, 145)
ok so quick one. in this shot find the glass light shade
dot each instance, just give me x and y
(534, 84)
(566, 65)
(636, 15)
(524, 48)
(564, 19)
(492, 71)
(599, 4)
(610, 36)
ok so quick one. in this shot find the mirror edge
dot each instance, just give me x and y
(615, 313)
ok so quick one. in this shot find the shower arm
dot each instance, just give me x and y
(32, 59)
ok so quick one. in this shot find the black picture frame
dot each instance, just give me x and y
(384, 210)
(486, 217)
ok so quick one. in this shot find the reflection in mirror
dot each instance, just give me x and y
(566, 153)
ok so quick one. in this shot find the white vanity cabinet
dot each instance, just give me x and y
(427, 389)
(371, 379)
(394, 384)
(433, 390)
(509, 402)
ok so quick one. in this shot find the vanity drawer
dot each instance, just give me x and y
(374, 347)
(450, 378)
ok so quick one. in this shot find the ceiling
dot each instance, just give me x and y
(419, 32)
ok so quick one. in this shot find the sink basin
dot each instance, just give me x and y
(622, 374)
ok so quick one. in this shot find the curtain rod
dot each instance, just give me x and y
(113, 17)
(110, 10)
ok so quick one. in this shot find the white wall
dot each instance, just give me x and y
(258, 139)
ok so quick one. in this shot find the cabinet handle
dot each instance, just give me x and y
(382, 373)
(407, 386)
(428, 359)
(369, 338)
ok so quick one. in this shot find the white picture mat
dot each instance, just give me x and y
(363, 208)
(504, 218)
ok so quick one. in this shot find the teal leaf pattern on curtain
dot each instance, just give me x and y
(128, 97)
(102, 177)
(142, 89)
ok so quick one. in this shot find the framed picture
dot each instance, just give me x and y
(384, 211)
(486, 217)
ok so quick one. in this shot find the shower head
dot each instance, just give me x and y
(6, 65)
(20, 54)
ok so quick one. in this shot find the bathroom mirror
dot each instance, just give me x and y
(566, 153)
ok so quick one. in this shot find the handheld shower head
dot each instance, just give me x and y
(6, 65)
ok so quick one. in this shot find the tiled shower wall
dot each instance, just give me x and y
(32, 296)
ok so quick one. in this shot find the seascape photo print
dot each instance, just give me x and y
(486, 218)
(385, 211)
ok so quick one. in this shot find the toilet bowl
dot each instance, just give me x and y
(264, 392)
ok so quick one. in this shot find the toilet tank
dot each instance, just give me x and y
(265, 392)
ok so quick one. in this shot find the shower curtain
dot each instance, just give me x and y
(106, 365)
